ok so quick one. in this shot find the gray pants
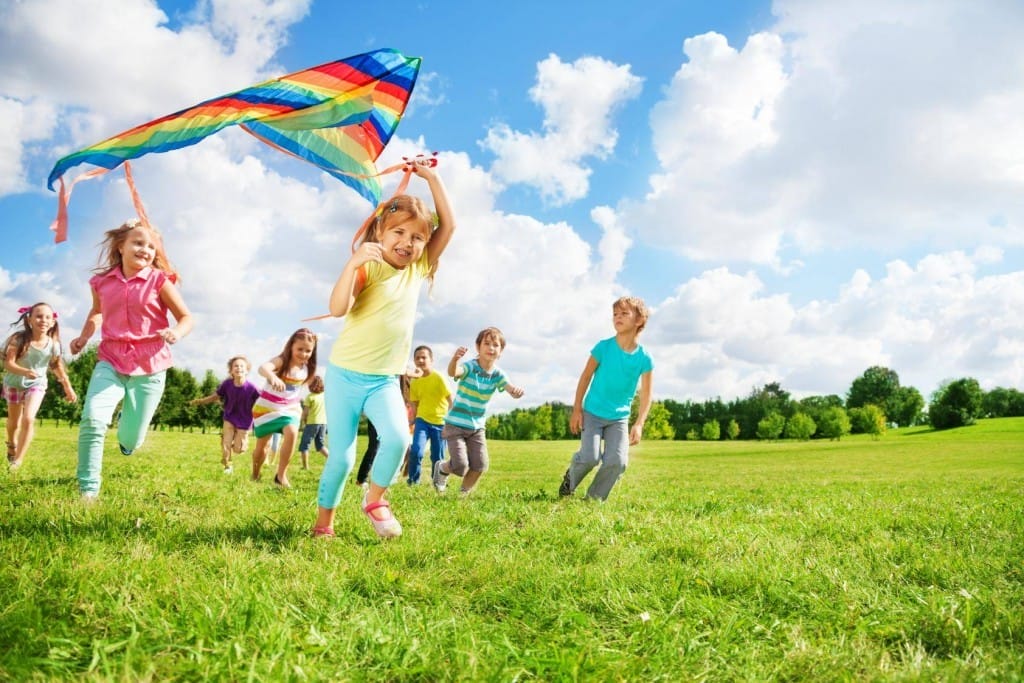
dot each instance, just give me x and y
(613, 458)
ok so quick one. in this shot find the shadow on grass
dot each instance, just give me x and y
(98, 522)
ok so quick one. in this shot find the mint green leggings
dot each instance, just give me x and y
(107, 386)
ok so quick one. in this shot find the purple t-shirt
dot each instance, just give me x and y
(238, 402)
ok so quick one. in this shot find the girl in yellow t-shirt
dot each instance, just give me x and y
(377, 293)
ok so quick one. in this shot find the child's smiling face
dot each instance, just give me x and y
(239, 368)
(302, 351)
(403, 243)
(138, 250)
(40, 319)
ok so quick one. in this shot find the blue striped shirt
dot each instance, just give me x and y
(474, 391)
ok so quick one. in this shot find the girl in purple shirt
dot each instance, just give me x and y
(132, 292)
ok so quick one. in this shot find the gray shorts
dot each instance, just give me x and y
(467, 450)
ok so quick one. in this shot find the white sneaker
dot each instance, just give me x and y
(439, 478)
(89, 498)
(228, 470)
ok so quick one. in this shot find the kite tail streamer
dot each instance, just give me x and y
(60, 223)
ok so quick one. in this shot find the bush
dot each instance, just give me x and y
(800, 426)
(957, 404)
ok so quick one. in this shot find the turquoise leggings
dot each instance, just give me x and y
(347, 395)
(107, 386)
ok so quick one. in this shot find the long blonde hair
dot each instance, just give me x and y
(110, 248)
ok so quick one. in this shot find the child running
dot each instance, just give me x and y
(279, 407)
(377, 291)
(432, 399)
(464, 427)
(28, 353)
(132, 293)
(238, 395)
(314, 415)
(609, 380)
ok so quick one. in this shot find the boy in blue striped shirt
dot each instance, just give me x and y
(464, 425)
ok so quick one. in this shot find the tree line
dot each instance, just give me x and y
(875, 401)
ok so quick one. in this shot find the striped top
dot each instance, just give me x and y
(273, 405)
(475, 389)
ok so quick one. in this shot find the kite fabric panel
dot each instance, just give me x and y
(338, 116)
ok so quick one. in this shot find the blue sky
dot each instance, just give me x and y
(799, 189)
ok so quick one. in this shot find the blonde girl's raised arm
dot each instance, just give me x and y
(445, 217)
(92, 321)
(171, 298)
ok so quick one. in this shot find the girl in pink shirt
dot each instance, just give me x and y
(132, 292)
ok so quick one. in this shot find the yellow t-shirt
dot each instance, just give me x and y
(377, 335)
(316, 412)
(431, 395)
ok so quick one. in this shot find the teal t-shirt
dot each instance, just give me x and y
(614, 382)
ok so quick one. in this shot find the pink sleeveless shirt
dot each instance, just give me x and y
(133, 314)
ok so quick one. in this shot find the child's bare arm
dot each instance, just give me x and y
(576, 419)
(636, 432)
(445, 216)
(352, 278)
(171, 298)
(11, 362)
(454, 370)
(92, 323)
(268, 371)
(205, 400)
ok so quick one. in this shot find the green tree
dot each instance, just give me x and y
(179, 388)
(906, 407)
(761, 403)
(869, 419)
(658, 426)
(732, 430)
(815, 406)
(876, 386)
(1002, 402)
(525, 426)
(834, 423)
(800, 426)
(209, 415)
(542, 421)
(770, 427)
(957, 404)
(711, 431)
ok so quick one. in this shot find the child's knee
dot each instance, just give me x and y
(459, 469)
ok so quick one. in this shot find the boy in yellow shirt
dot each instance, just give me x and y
(432, 399)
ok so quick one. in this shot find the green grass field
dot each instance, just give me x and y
(892, 559)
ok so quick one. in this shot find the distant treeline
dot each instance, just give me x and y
(874, 402)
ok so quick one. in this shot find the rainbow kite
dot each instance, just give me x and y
(338, 116)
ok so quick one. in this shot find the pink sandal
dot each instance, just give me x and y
(322, 532)
(387, 527)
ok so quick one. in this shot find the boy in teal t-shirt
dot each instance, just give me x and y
(600, 412)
